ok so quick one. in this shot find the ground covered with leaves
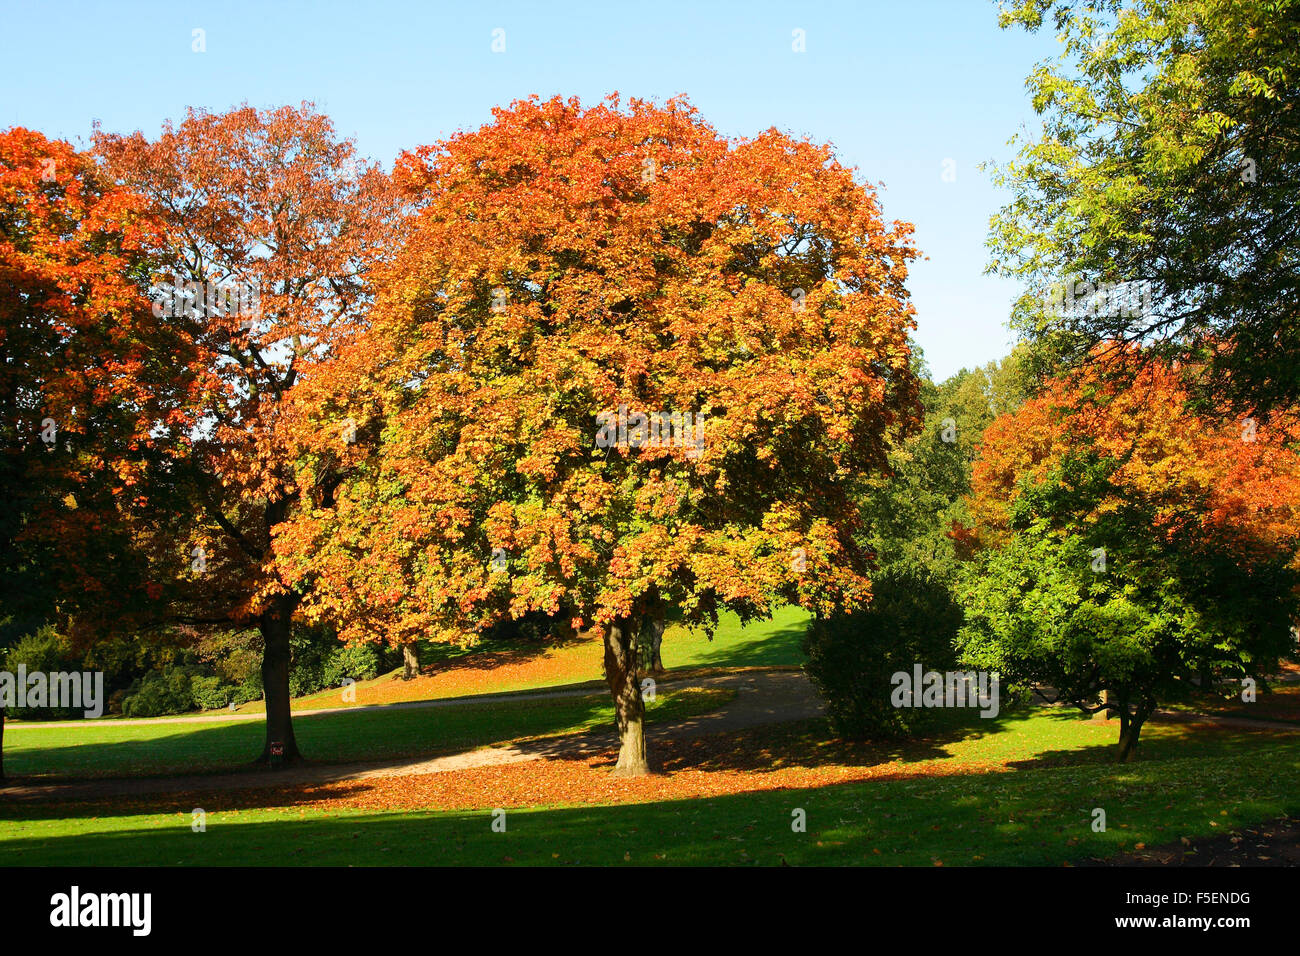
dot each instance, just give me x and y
(1022, 789)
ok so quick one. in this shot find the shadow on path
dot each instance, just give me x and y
(763, 697)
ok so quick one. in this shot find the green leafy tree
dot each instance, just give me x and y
(909, 511)
(1131, 547)
(1158, 205)
(1162, 615)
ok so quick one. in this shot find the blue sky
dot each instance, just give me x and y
(898, 87)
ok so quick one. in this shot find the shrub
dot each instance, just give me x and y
(310, 647)
(533, 627)
(232, 655)
(912, 619)
(250, 689)
(168, 691)
(305, 677)
(360, 662)
(320, 661)
(210, 693)
(45, 651)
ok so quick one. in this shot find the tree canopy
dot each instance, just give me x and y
(1130, 546)
(1159, 203)
(570, 267)
(267, 225)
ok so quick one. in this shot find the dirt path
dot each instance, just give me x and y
(582, 691)
(762, 697)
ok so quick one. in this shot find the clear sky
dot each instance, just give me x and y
(899, 87)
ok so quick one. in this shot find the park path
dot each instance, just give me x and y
(762, 697)
(587, 690)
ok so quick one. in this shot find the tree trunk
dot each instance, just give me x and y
(656, 628)
(275, 625)
(1107, 699)
(1126, 742)
(410, 662)
(1130, 729)
(629, 708)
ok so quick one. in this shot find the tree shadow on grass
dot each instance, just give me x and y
(183, 802)
(812, 743)
(1041, 818)
(1160, 741)
(804, 740)
(332, 738)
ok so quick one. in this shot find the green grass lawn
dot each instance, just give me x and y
(1040, 816)
(1281, 703)
(144, 748)
(1190, 782)
(771, 643)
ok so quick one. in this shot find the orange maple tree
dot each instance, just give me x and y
(1240, 473)
(1129, 548)
(269, 224)
(571, 270)
(85, 380)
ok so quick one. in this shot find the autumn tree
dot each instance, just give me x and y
(1157, 204)
(910, 509)
(573, 275)
(269, 225)
(86, 376)
(1131, 548)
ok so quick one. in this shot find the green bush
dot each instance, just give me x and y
(360, 662)
(305, 678)
(210, 693)
(250, 689)
(224, 668)
(232, 655)
(124, 658)
(309, 649)
(169, 691)
(44, 651)
(533, 627)
(912, 619)
(319, 661)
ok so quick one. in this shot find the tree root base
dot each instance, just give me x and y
(631, 772)
(267, 762)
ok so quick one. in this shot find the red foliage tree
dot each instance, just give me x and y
(1236, 475)
(269, 224)
(570, 263)
(86, 385)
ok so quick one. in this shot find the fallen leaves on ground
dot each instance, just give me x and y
(708, 766)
